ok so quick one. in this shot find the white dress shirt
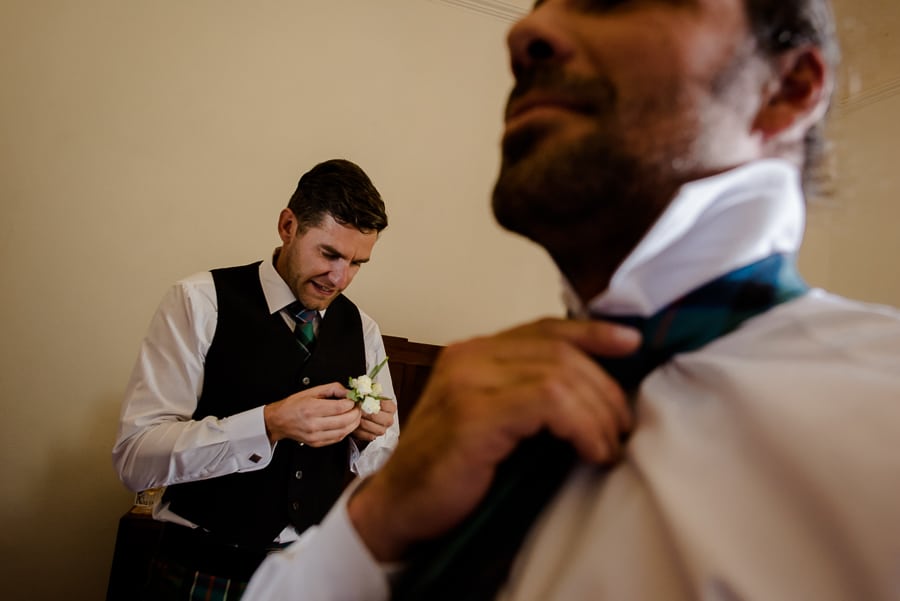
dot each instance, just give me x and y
(159, 444)
(763, 466)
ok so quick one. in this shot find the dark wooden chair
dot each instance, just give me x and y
(410, 364)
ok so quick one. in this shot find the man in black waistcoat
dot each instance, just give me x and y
(237, 404)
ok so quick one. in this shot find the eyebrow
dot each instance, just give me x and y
(333, 251)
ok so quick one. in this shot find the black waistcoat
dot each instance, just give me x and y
(253, 360)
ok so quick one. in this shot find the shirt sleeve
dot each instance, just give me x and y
(158, 442)
(328, 563)
(374, 455)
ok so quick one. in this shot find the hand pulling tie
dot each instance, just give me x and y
(472, 562)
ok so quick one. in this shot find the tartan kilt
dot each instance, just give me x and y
(170, 581)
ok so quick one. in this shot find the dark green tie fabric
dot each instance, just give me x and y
(305, 321)
(472, 562)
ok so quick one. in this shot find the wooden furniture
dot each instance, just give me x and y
(410, 364)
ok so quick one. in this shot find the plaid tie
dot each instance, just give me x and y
(306, 323)
(472, 562)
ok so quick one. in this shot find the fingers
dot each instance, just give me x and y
(389, 406)
(600, 338)
(332, 390)
(322, 415)
(310, 419)
(543, 374)
(327, 435)
(373, 426)
(483, 397)
(385, 417)
(591, 417)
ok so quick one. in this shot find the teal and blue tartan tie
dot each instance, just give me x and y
(472, 562)
(306, 322)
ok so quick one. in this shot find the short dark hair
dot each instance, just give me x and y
(341, 189)
(782, 25)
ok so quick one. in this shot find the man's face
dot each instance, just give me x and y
(320, 263)
(616, 104)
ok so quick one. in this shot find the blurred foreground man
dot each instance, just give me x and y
(745, 450)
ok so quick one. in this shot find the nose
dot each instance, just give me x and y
(339, 275)
(539, 37)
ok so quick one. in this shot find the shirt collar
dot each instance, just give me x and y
(278, 294)
(711, 227)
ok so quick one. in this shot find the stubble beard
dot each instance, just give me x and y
(585, 201)
(589, 201)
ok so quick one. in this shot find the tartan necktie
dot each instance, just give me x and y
(472, 562)
(306, 323)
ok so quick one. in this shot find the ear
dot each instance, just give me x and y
(797, 96)
(287, 225)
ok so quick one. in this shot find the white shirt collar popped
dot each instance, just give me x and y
(711, 227)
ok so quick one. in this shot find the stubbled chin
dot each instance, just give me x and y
(540, 137)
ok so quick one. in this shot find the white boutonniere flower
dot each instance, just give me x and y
(366, 392)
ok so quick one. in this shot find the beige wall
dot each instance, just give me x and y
(145, 141)
(852, 245)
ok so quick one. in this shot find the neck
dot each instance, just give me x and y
(589, 267)
(588, 253)
(587, 280)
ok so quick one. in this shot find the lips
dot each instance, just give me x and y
(548, 88)
(539, 101)
(323, 290)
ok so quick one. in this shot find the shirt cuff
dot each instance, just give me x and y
(250, 444)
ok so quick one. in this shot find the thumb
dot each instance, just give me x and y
(332, 390)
